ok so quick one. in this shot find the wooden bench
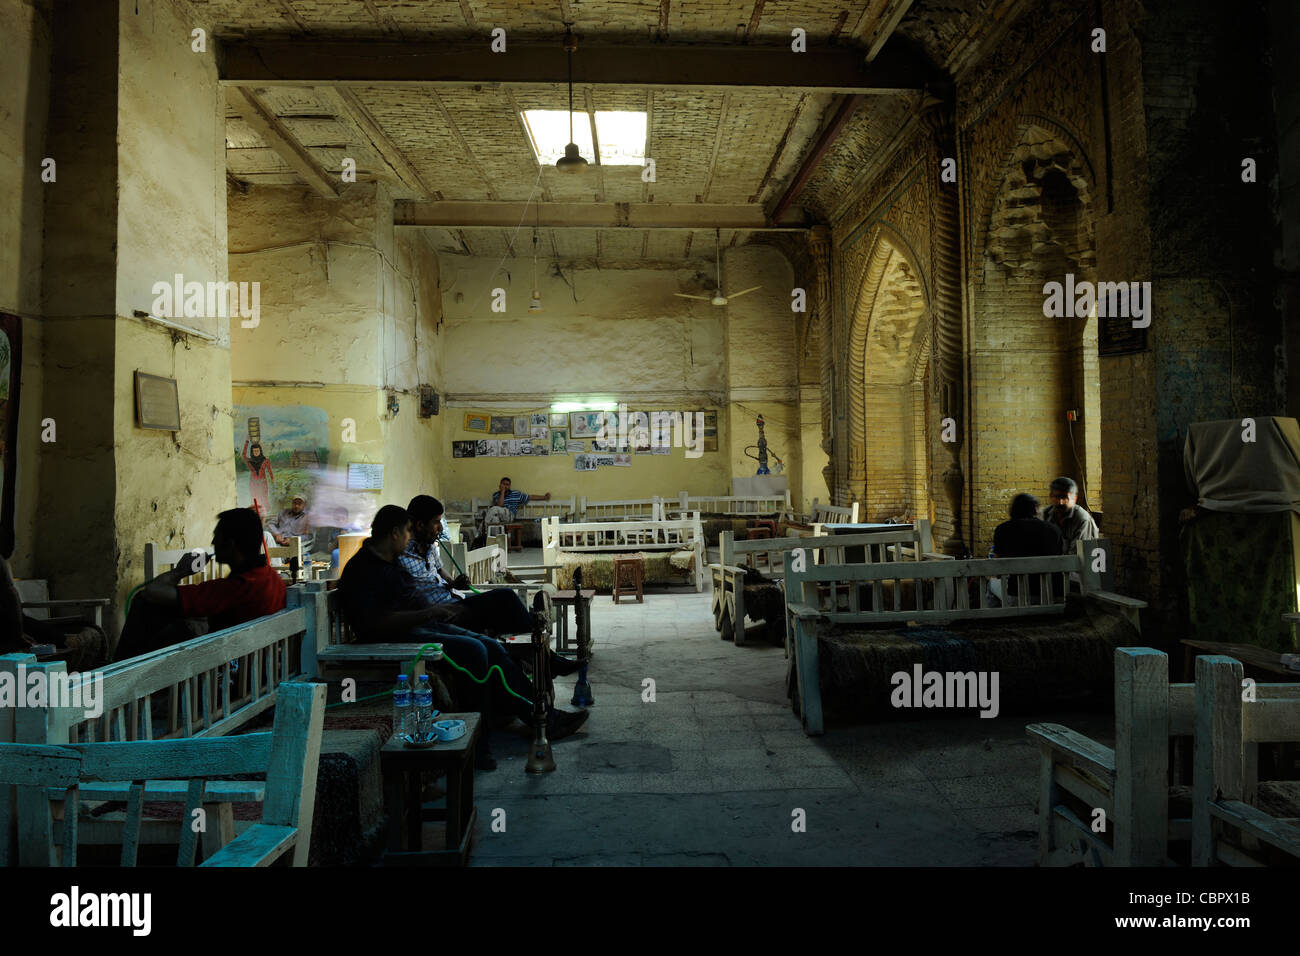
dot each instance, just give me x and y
(1129, 782)
(209, 686)
(729, 611)
(629, 509)
(830, 514)
(731, 505)
(49, 832)
(1227, 828)
(822, 597)
(615, 537)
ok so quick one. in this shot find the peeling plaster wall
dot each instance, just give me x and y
(24, 103)
(171, 219)
(349, 314)
(626, 339)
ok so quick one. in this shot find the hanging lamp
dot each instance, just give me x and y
(535, 303)
(571, 161)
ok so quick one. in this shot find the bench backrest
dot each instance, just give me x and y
(833, 514)
(288, 755)
(288, 553)
(941, 589)
(1229, 730)
(628, 509)
(908, 543)
(613, 537)
(534, 508)
(754, 505)
(157, 560)
(205, 696)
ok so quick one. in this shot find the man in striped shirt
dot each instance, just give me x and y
(506, 504)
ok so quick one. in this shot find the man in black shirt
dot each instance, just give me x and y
(1026, 536)
(382, 603)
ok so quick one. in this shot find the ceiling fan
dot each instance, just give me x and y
(718, 298)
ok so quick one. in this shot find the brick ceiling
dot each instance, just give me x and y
(740, 147)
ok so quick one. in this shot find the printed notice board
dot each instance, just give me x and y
(365, 477)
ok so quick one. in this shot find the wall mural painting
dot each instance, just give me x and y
(11, 364)
(281, 452)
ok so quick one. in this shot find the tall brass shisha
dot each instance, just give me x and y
(540, 758)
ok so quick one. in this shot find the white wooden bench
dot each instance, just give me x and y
(731, 505)
(57, 778)
(210, 686)
(830, 514)
(905, 543)
(822, 597)
(628, 509)
(1129, 782)
(1227, 829)
(614, 537)
(157, 560)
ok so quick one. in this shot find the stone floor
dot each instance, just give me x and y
(712, 771)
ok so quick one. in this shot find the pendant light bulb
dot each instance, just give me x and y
(571, 161)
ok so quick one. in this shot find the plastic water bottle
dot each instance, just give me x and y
(423, 709)
(402, 723)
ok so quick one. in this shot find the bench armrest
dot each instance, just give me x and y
(55, 605)
(1063, 740)
(803, 611)
(259, 845)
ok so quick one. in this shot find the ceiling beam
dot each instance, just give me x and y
(306, 62)
(886, 27)
(828, 136)
(498, 215)
(251, 111)
(354, 113)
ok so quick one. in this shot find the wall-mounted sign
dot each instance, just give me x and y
(157, 404)
(363, 476)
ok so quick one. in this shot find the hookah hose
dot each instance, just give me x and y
(411, 672)
(462, 571)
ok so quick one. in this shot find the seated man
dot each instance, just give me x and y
(82, 645)
(1073, 522)
(1025, 536)
(494, 612)
(292, 522)
(164, 612)
(506, 504)
(382, 603)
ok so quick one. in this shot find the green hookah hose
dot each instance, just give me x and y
(411, 673)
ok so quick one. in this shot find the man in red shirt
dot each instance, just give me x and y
(164, 612)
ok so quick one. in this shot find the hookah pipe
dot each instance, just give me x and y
(582, 688)
(540, 758)
(761, 457)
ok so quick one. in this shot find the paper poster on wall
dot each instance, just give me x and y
(662, 450)
(602, 447)
(475, 422)
(521, 426)
(537, 418)
(539, 431)
(710, 431)
(559, 441)
(541, 448)
(623, 461)
(584, 462)
(558, 420)
(486, 448)
(365, 476)
(603, 461)
(463, 449)
(503, 425)
(525, 446)
(576, 447)
(510, 448)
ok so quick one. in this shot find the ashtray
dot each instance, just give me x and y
(448, 730)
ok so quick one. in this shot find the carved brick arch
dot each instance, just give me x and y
(1043, 165)
(890, 314)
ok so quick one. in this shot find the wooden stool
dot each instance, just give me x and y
(403, 768)
(516, 533)
(754, 534)
(629, 577)
(768, 523)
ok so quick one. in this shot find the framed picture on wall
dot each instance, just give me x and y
(475, 422)
(559, 441)
(585, 424)
(711, 431)
(521, 426)
(157, 404)
(503, 425)
(558, 420)
(463, 449)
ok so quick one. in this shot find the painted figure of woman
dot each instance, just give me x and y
(260, 476)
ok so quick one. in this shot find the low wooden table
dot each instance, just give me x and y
(1252, 658)
(581, 603)
(403, 770)
(515, 541)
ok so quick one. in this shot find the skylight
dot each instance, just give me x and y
(621, 134)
